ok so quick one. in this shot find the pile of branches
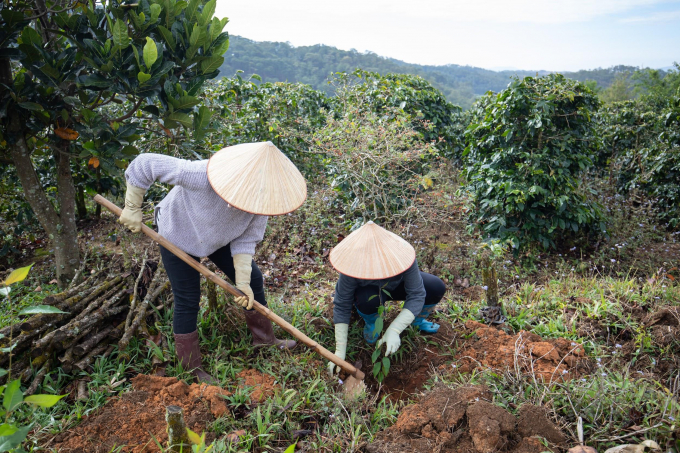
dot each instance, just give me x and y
(101, 312)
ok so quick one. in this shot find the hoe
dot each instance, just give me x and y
(352, 386)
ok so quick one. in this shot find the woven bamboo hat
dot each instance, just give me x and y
(372, 253)
(257, 178)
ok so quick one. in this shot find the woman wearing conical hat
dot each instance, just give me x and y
(375, 266)
(218, 208)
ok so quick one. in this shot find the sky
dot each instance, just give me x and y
(553, 35)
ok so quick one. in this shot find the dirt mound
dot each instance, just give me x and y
(664, 325)
(492, 348)
(137, 417)
(463, 420)
(262, 385)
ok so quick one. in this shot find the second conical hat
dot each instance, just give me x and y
(372, 253)
(257, 178)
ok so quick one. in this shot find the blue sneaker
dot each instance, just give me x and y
(421, 320)
(369, 336)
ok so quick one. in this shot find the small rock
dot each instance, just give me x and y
(38, 289)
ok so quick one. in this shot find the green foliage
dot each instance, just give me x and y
(526, 148)
(461, 85)
(89, 83)
(433, 116)
(283, 113)
(375, 162)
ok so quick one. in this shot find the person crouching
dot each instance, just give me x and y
(376, 266)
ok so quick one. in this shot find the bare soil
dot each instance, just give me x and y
(463, 419)
(136, 418)
(493, 348)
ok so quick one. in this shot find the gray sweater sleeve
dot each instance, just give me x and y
(344, 299)
(147, 168)
(415, 289)
(251, 236)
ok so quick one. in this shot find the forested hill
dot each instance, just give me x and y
(278, 62)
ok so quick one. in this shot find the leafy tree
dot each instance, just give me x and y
(657, 83)
(619, 90)
(82, 80)
(526, 148)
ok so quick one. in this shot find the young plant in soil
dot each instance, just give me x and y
(381, 366)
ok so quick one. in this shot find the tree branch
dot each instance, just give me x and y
(128, 114)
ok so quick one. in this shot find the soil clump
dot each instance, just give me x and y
(135, 418)
(463, 419)
(548, 359)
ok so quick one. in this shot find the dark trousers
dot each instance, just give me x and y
(186, 285)
(367, 304)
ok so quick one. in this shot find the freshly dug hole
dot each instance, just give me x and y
(464, 420)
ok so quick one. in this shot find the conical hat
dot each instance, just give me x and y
(372, 253)
(257, 178)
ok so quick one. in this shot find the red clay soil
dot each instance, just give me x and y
(136, 417)
(262, 385)
(463, 420)
(526, 352)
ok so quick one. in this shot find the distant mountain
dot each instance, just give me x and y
(280, 62)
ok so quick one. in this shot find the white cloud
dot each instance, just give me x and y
(661, 16)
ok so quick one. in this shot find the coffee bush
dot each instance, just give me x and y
(527, 147)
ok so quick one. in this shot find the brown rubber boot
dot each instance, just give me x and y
(188, 353)
(263, 333)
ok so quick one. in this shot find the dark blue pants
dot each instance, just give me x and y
(368, 305)
(186, 285)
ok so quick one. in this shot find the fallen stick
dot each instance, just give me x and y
(83, 393)
(59, 337)
(141, 313)
(89, 358)
(38, 379)
(90, 342)
(135, 294)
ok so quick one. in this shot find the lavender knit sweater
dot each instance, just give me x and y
(192, 216)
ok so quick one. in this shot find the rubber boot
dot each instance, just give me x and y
(263, 332)
(189, 355)
(369, 328)
(421, 320)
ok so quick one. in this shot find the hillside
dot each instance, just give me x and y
(278, 61)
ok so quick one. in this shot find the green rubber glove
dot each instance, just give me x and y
(391, 336)
(340, 346)
(243, 266)
(131, 216)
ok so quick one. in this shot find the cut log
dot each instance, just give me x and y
(89, 358)
(135, 295)
(82, 348)
(83, 393)
(178, 439)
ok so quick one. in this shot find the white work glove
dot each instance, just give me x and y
(340, 346)
(131, 216)
(391, 336)
(243, 266)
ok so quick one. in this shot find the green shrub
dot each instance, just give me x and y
(374, 162)
(527, 146)
(435, 118)
(653, 166)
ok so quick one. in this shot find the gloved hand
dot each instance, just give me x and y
(131, 216)
(340, 346)
(243, 265)
(391, 336)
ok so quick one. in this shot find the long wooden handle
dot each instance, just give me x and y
(210, 275)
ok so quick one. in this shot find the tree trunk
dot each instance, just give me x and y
(60, 227)
(68, 261)
(80, 203)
